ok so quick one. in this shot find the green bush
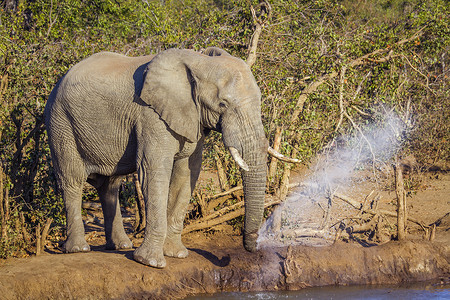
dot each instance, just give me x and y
(303, 42)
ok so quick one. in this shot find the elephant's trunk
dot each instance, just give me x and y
(243, 130)
(254, 193)
(254, 181)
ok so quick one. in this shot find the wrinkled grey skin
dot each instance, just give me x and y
(112, 115)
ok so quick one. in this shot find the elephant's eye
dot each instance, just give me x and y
(222, 105)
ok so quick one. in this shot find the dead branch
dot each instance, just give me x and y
(25, 234)
(2, 209)
(312, 87)
(432, 233)
(221, 171)
(202, 203)
(214, 222)
(226, 217)
(213, 203)
(38, 239)
(274, 161)
(383, 59)
(140, 215)
(281, 157)
(341, 98)
(401, 201)
(358, 205)
(368, 226)
(360, 111)
(284, 185)
(44, 234)
(221, 211)
(264, 16)
(225, 193)
(3, 84)
(304, 232)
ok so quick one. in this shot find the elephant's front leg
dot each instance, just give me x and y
(184, 176)
(154, 177)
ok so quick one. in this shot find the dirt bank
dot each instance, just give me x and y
(211, 267)
(217, 262)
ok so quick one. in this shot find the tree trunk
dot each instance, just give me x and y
(11, 5)
(401, 202)
(140, 205)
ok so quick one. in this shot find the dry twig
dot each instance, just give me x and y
(140, 203)
(312, 87)
(401, 201)
(44, 233)
(260, 22)
(201, 224)
(358, 205)
(274, 160)
(221, 171)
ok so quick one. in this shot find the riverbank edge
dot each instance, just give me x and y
(114, 275)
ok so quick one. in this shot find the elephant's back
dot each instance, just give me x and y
(105, 73)
(94, 105)
(108, 65)
(103, 81)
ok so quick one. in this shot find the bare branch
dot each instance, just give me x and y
(44, 234)
(201, 224)
(260, 22)
(341, 98)
(401, 201)
(313, 86)
(225, 193)
(274, 161)
(281, 157)
(358, 205)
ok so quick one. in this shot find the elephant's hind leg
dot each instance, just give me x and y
(108, 191)
(75, 229)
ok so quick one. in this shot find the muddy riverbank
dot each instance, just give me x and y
(217, 262)
(213, 267)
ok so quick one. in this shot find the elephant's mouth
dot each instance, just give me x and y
(218, 126)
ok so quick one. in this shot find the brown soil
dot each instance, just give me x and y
(218, 262)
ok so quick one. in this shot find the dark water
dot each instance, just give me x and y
(409, 292)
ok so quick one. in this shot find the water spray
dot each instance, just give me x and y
(306, 217)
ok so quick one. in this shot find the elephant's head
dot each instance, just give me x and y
(193, 92)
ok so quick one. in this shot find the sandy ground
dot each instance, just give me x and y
(218, 262)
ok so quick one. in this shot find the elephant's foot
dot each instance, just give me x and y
(119, 243)
(150, 256)
(76, 245)
(175, 248)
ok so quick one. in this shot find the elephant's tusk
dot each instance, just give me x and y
(238, 158)
(281, 157)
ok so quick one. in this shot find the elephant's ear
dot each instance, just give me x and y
(215, 51)
(169, 88)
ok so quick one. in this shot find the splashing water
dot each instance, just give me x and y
(306, 217)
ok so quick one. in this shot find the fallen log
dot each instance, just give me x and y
(368, 226)
(203, 224)
(358, 205)
(225, 193)
(304, 232)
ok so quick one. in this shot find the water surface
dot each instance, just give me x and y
(416, 291)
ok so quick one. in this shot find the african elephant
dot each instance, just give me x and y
(113, 115)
